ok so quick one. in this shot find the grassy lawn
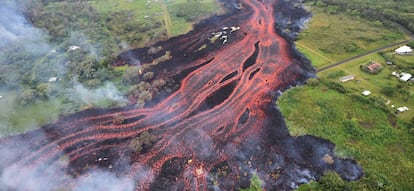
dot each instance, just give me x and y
(376, 82)
(164, 11)
(16, 118)
(340, 36)
(148, 14)
(316, 58)
(139, 7)
(179, 25)
(380, 142)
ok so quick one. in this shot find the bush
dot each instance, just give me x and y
(388, 91)
(336, 74)
(312, 81)
(335, 86)
(142, 142)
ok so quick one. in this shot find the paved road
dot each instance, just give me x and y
(364, 54)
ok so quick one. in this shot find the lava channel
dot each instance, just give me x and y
(215, 132)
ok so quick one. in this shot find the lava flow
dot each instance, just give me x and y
(218, 130)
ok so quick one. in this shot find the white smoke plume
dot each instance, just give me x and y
(103, 180)
(14, 27)
(108, 92)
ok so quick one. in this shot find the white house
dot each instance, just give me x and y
(405, 76)
(404, 50)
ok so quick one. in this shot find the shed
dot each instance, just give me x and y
(403, 50)
(346, 78)
(72, 48)
(402, 109)
(405, 76)
(53, 79)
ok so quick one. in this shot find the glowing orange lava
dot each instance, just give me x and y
(217, 130)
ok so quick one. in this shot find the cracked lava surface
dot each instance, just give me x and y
(220, 128)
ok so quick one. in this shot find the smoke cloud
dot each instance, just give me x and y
(14, 27)
(108, 92)
(103, 180)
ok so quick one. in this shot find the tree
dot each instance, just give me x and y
(388, 91)
(312, 81)
(28, 96)
(331, 181)
(148, 75)
(142, 142)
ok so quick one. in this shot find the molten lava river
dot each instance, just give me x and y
(217, 131)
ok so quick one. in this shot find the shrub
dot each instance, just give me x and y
(142, 142)
(388, 91)
(312, 81)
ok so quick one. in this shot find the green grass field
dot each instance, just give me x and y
(179, 24)
(379, 142)
(16, 118)
(164, 11)
(317, 59)
(339, 36)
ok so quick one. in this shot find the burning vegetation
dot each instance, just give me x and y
(216, 131)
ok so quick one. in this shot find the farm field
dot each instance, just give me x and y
(330, 38)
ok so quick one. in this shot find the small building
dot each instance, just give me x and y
(72, 48)
(374, 67)
(53, 79)
(405, 76)
(346, 78)
(389, 63)
(366, 93)
(404, 50)
(402, 109)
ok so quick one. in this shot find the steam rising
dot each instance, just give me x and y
(106, 93)
(102, 180)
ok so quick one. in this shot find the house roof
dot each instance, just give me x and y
(404, 49)
(346, 78)
(405, 77)
(374, 66)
